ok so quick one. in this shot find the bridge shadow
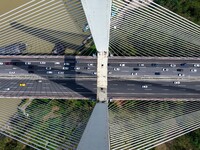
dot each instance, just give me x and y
(59, 38)
(70, 83)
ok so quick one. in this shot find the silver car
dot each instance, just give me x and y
(193, 70)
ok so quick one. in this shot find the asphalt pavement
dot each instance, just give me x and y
(86, 88)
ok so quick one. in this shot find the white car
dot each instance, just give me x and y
(121, 65)
(196, 65)
(165, 69)
(141, 65)
(61, 72)
(66, 64)
(7, 89)
(65, 68)
(193, 70)
(181, 75)
(57, 63)
(144, 86)
(27, 63)
(49, 72)
(1, 63)
(177, 82)
(116, 69)
(39, 81)
(94, 73)
(42, 62)
(48, 68)
(134, 73)
(172, 65)
(109, 72)
(11, 72)
(77, 68)
(90, 64)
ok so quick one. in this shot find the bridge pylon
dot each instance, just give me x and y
(98, 14)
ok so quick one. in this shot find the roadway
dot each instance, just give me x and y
(86, 88)
(86, 66)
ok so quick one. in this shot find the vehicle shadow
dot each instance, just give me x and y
(71, 83)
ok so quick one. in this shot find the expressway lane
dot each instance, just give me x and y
(86, 66)
(86, 88)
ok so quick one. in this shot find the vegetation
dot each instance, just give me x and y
(189, 9)
(190, 141)
(7, 143)
(45, 118)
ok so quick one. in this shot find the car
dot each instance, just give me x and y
(7, 89)
(94, 73)
(183, 64)
(121, 65)
(193, 70)
(11, 72)
(66, 64)
(136, 69)
(49, 72)
(177, 82)
(134, 73)
(61, 72)
(27, 63)
(109, 72)
(154, 65)
(22, 84)
(14, 68)
(48, 68)
(144, 86)
(65, 68)
(196, 65)
(140, 65)
(157, 73)
(1, 63)
(165, 69)
(31, 71)
(42, 63)
(87, 68)
(57, 63)
(77, 68)
(116, 69)
(39, 81)
(90, 64)
(181, 75)
(172, 65)
(8, 63)
(179, 70)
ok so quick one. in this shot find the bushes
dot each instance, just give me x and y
(189, 9)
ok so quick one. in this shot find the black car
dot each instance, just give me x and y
(136, 69)
(183, 64)
(154, 65)
(180, 70)
(157, 73)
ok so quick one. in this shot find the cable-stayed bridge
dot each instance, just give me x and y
(137, 58)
